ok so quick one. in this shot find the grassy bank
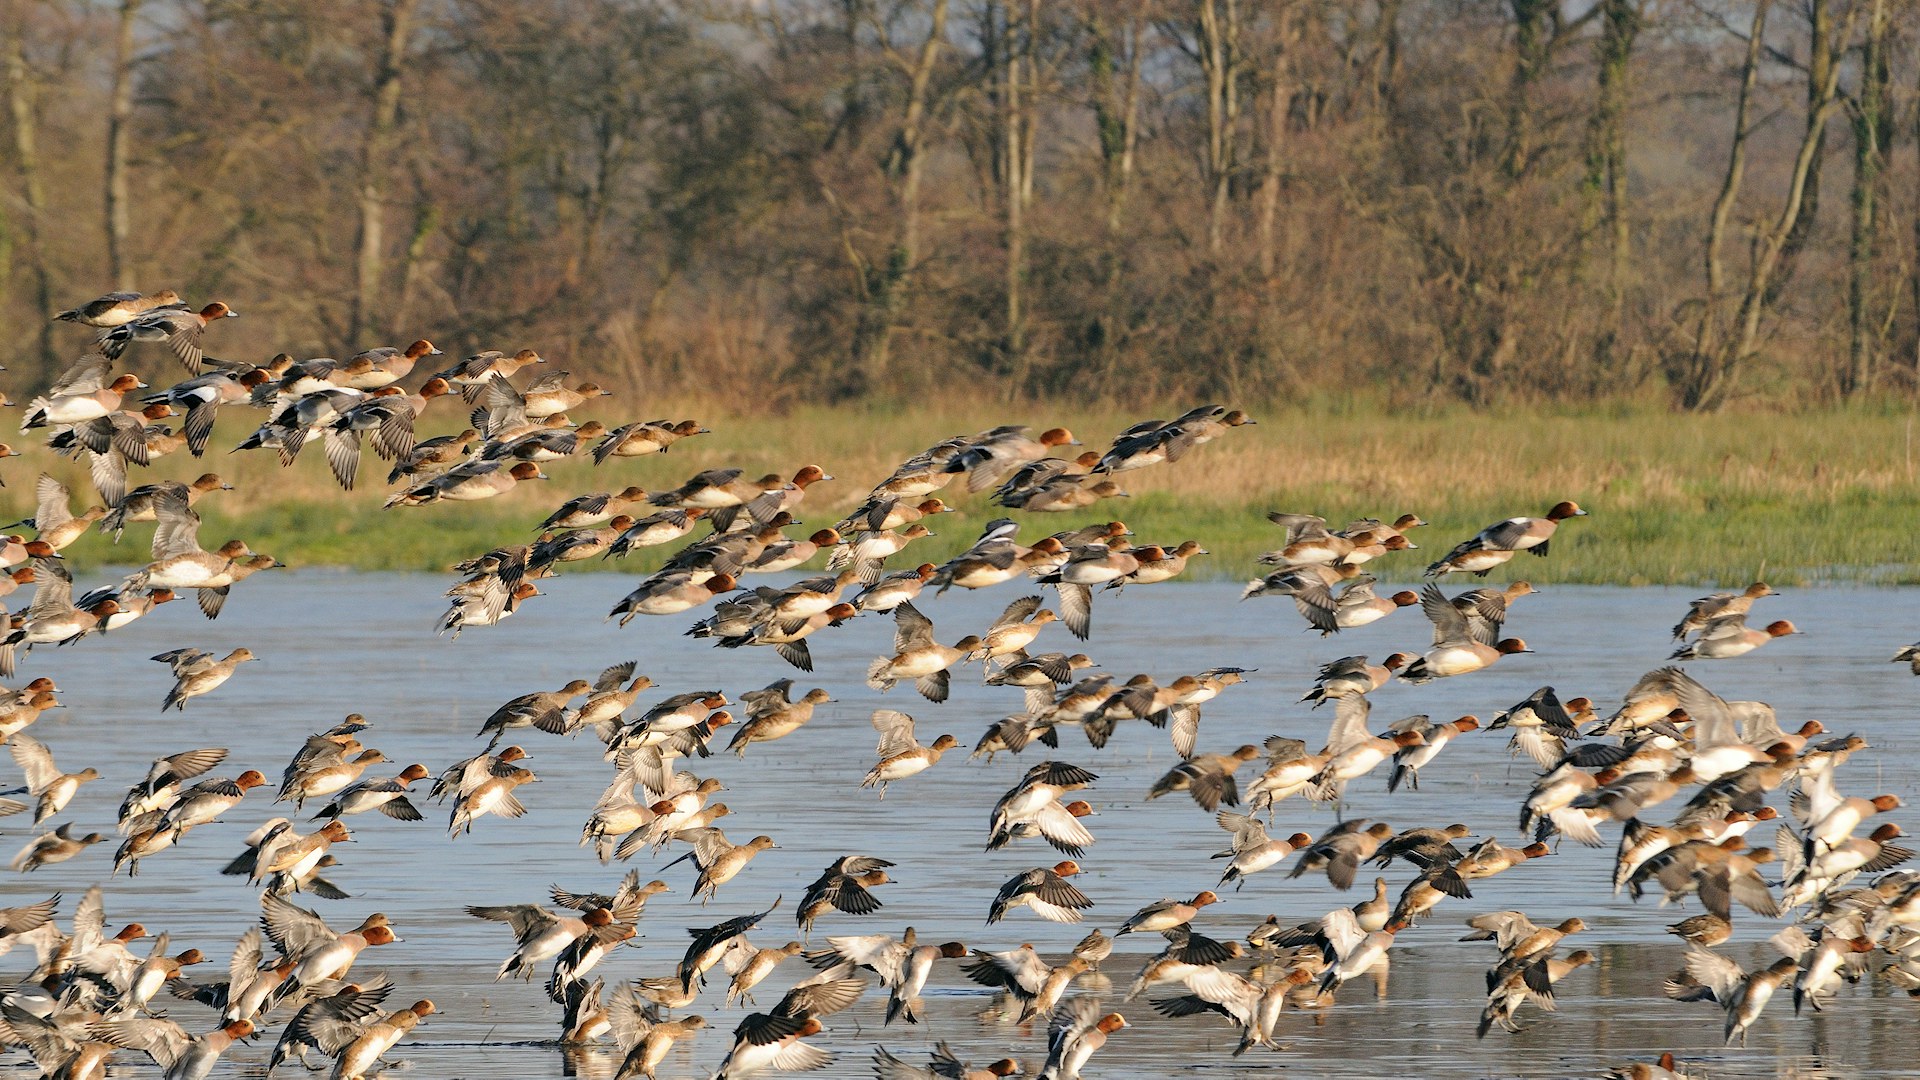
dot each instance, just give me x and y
(1693, 500)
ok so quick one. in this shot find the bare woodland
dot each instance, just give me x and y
(1698, 203)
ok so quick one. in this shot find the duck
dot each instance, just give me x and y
(718, 859)
(1486, 609)
(670, 594)
(317, 951)
(1708, 976)
(1206, 777)
(772, 714)
(196, 672)
(81, 393)
(54, 847)
(549, 395)
(1408, 760)
(883, 514)
(433, 456)
(653, 530)
(1729, 636)
(1455, 651)
(1498, 542)
(917, 656)
(642, 439)
(774, 1040)
(1068, 493)
(1078, 1030)
(1355, 951)
(539, 934)
(328, 778)
(494, 795)
(1351, 676)
(901, 755)
(178, 560)
(138, 505)
(387, 795)
(1046, 891)
(50, 787)
(1708, 608)
(469, 482)
(1357, 605)
(1351, 752)
(57, 526)
(1167, 914)
(539, 708)
(844, 886)
(359, 1054)
(867, 552)
(1014, 630)
(1533, 982)
(118, 308)
(1159, 563)
(944, 1065)
(179, 327)
(1187, 956)
(643, 1036)
(1909, 655)
(717, 489)
(474, 373)
(1036, 477)
(52, 617)
(206, 801)
(784, 555)
(1252, 850)
(1087, 566)
(988, 457)
(181, 1056)
(1342, 849)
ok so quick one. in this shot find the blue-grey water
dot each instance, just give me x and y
(336, 642)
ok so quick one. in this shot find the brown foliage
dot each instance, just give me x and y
(791, 200)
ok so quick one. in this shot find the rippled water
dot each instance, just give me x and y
(335, 643)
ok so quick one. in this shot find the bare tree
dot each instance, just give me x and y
(1723, 342)
(376, 146)
(1605, 183)
(1870, 112)
(885, 287)
(23, 92)
(119, 134)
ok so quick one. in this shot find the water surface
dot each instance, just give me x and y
(336, 643)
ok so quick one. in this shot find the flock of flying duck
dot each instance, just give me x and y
(94, 995)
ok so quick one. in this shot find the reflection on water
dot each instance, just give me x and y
(335, 643)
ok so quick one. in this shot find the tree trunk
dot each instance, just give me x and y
(1116, 113)
(1824, 53)
(1605, 187)
(1013, 199)
(1913, 267)
(1115, 110)
(1219, 38)
(119, 121)
(1720, 367)
(22, 94)
(1279, 106)
(1532, 43)
(1697, 375)
(903, 167)
(1386, 56)
(1871, 130)
(376, 145)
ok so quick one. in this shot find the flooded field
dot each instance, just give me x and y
(334, 643)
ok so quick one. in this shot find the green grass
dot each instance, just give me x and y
(1711, 500)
